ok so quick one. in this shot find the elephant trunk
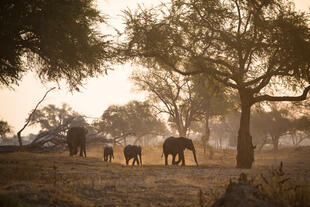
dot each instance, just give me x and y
(195, 158)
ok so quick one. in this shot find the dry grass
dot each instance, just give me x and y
(60, 180)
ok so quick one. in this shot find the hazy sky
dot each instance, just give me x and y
(95, 96)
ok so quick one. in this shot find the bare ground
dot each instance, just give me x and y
(60, 180)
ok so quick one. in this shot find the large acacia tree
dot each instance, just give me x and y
(247, 45)
(56, 39)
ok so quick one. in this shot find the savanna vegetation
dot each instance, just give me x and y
(233, 76)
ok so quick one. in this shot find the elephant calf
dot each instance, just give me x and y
(76, 137)
(108, 153)
(177, 145)
(132, 151)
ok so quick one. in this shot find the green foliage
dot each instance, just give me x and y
(54, 38)
(5, 128)
(134, 117)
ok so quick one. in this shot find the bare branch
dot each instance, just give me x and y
(282, 98)
(29, 118)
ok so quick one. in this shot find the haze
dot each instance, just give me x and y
(95, 96)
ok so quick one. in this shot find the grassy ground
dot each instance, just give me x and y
(60, 180)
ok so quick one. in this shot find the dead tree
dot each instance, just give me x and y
(29, 118)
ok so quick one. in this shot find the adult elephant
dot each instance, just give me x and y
(132, 151)
(76, 137)
(177, 145)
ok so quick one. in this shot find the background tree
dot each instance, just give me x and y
(173, 95)
(227, 126)
(56, 39)
(248, 46)
(273, 124)
(5, 128)
(54, 122)
(300, 130)
(216, 102)
(134, 118)
(51, 116)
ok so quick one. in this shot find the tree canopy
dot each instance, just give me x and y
(56, 39)
(136, 118)
(5, 128)
(249, 46)
(269, 126)
(51, 117)
(173, 95)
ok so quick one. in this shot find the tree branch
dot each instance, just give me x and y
(29, 118)
(282, 98)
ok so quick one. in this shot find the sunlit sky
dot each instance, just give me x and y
(95, 96)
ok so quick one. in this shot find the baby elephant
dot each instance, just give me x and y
(108, 153)
(132, 151)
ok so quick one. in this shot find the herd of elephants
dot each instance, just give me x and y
(76, 138)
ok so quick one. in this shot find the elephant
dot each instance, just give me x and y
(76, 137)
(132, 151)
(177, 145)
(108, 153)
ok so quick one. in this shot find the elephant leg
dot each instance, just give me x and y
(179, 160)
(81, 151)
(182, 157)
(74, 149)
(173, 160)
(127, 160)
(84, 148)
(110, 158)
(70, 149)
(166, 159)
(135, 160)
(138, 163)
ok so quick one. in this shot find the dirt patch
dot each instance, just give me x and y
(60, 180)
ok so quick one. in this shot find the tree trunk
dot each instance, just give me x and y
(294, 139)
(263, 143)
(275, 142)
(245, 149)
(182, 131)
(205, 138)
